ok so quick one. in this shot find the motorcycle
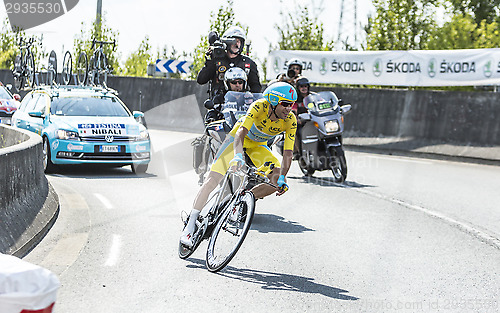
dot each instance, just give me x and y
(319, 136)
(219, 121)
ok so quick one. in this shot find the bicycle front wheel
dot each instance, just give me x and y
(230, 231)
(82, 67)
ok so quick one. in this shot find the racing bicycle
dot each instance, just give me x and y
(24, 66)
(94, 71)
(226, 218)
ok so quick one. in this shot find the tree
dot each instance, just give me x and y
(480, 10)
(401, 24)
(219, 22)
(463, 33)
(8, 46)
(301, 32)
(83, 42)
(137, 62)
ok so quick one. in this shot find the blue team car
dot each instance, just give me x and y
(84, 125)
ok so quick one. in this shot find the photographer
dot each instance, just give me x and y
(293, 72)
(223, 54)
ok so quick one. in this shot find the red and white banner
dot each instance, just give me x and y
(465, 67)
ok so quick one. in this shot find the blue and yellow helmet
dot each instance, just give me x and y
(280, 92)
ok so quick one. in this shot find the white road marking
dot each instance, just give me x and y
(114, 252)
(66, 251)
(398, 158)
(107, 204)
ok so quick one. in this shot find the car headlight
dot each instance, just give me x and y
(143, 135)
(332, 126)
(67, 135)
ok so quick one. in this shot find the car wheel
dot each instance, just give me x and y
(140, 168)
(48, 166)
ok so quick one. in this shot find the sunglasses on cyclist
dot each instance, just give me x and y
(286, 104)
(239, 82)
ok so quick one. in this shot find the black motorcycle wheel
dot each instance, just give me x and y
(303, 167)
(339, 165)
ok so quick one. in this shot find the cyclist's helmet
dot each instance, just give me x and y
(234, 32)
(295, 62)
(233, 74)
(280, 92)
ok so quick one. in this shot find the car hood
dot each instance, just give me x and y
(92, 126)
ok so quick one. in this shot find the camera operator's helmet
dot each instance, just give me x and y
(233, 74)
(234, 32)
(295, 62)
(280, 92)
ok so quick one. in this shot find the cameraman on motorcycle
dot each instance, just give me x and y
(265, 119)
(225, 53)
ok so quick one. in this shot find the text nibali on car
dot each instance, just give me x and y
(8, 104)
(84, 125)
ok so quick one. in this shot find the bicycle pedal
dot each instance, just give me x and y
(184, 217)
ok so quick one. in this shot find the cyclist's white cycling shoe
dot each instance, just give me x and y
(187, 238)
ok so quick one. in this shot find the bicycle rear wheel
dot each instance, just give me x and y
(67, 70)
(82, 67)
(228, 234)
(30, 70)
(101, 67)
(18, 73)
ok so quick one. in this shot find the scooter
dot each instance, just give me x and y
(219, 121)
(319, 136)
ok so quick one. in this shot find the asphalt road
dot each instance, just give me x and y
(402, 235)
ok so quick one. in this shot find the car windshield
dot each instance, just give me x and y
(88, 106)
(4, 94)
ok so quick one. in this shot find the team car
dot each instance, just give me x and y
(8, 104)
(85, 125)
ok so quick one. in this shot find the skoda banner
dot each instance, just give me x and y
(467, 67)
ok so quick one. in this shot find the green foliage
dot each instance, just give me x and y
(137, 63)
(480, 10)
(401, 24)
(301, 32)
(219, 22)
(9, 45)
(83, 42)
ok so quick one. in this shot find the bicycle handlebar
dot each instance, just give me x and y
(94, 42)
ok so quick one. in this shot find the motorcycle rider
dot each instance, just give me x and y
(235, 79)
(304, 89)
(265, 119)
(216, 65)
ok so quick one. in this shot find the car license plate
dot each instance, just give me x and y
(109, 149)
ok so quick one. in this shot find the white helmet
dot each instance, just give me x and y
(235, 73)
(234, 32)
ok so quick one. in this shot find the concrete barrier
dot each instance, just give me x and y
(28, 204)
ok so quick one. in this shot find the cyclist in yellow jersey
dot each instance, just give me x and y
(265, 119)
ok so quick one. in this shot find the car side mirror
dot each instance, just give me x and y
(346, 108)
(138, 114)
(209, 104)
(36, 114)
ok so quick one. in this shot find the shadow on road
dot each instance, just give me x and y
(97, 171)
(278, 281)
(327, 181)
(270, 223)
